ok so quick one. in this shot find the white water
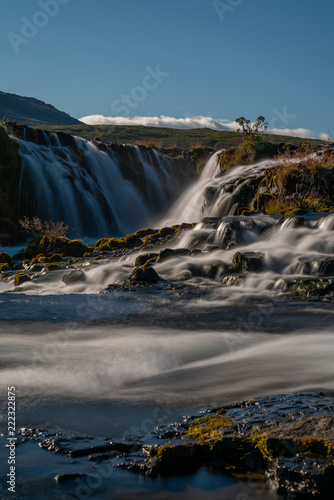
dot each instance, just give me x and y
(108, 362)
(93, 192)
(207, 197)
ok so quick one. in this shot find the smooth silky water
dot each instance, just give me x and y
(103, 365)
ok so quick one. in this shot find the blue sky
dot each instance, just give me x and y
(218, 59)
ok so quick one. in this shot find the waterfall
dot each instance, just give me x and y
(96, 189)
(209, 196)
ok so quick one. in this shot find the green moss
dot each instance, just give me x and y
(262, 200)
(164, 232)
(56, 257)
(52, 267)
(141, 233)
(105, 244)
(21, 278)
(100, 257)
(209, 427)
(43, 260)
(5, 258)
(250, 151)
(248, 261)
(142, 259)
(60, 244)
(317, 446)
(258, 441)
(72, 261)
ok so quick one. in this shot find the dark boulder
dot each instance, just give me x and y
(74, 277)
(170, 252)
(145, 274)
(248, 261)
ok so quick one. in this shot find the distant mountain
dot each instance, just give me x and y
(32, 112)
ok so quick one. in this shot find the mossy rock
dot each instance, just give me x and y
(248, 261)
(294, 211)
(4, 267)
(164, 233)
(246, 212)
(100, 257)
(105, 244)
(60, 244)
(5, 258)
(43, 260)
(262, 199)
(21, 278)
(145, 257)
(56, 257)
(141, 233)
(182, 457)
(312, 288)
(52, 267)
(72, 261)
(145, 273)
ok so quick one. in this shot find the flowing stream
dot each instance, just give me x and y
(103, 364)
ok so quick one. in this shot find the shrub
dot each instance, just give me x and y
(38, 228)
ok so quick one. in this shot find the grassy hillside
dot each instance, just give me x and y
(167, 137)
(32, 112)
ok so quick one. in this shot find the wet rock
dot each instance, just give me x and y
(170, 252)
(36, 268)
(145, 274)
(234, 209)
(311, 287)
(76, 447)
(248, 261)
(232, 280)
(74, 277)
(228, 188)
(143, 258)
(21, 278)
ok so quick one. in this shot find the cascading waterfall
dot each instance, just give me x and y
(96, 193)
(210, 195)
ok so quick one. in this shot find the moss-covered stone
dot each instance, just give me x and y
(62, 245)
(209, 427)
(5, 258)
(4, 267)
(248, 261)
(145, 257)
(21, 278)
(145, 273)
(52, 267)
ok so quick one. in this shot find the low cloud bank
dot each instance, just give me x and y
(189, 123)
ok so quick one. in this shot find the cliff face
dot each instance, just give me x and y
(96, 188)
(33, 112)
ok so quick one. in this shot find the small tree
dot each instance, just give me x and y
(251, 130)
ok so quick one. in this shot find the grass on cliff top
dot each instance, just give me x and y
(167, 137)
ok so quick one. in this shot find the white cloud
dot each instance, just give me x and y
(189, 123)
(325, 137)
